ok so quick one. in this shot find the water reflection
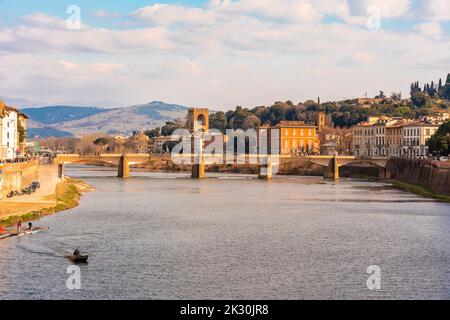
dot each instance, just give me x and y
(165, 236)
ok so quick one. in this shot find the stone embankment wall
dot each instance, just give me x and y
(16, 176)
(434, 175)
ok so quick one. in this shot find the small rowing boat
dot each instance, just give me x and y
(32, 231)
(5, 235)
(81, 258)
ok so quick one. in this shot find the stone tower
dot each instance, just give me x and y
(320, 121)
(198, 119)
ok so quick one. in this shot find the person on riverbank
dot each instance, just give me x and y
(30, 226)
(2, 230)
(19, 226)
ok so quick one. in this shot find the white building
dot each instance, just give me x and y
(12, 143)
(393, 138)
(9, 135)
(416, 136)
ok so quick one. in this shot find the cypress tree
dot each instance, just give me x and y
(447, 88)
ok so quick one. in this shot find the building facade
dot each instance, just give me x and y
(393, 137)
(415, 138)
(13, 132)
(293, 137)
(2, 116)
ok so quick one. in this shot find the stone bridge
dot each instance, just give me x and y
(122, 161)
(330, 164)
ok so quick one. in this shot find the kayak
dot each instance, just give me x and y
(81, 258)
(32, 231)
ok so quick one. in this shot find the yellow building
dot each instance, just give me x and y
(294, 137)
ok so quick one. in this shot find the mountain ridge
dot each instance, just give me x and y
(77, 120)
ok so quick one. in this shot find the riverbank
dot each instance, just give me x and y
(52, 197)
(421, 191)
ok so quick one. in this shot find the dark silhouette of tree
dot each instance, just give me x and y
(439, 143)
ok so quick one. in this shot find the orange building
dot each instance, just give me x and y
(294, 137)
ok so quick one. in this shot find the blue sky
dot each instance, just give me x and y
(218, 53)
(13, 10)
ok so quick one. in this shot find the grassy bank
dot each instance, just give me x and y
(68, 197)
(421, 191)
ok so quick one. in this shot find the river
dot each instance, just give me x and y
(165, 236)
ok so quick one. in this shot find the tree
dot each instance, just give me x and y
(420, 100)
(218, 121)
(396, 96)
(102, 141)
(171, 126)
(439, 143)
(22, 132)
(153, 132)
(251, 122)
(381, 95)
(446, 92)
(137, 143)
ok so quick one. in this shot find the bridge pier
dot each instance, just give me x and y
(331, 172)
(124, 167)
(265, 171)
(384, 173)
(198, 171)
(61, 171)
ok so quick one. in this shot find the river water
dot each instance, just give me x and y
(165, 236)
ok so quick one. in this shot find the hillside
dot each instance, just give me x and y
(76, 121)
(58, 114)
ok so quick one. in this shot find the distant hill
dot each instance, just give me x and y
(69, 120)
(58, 114)
(47, 133)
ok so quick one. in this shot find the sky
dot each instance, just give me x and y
(217, 53)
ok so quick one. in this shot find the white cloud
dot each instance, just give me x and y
(165, 14)
(40, 20)
(429, 29)
(102, 14)
(244, 52)
(69, 65)
(389, 8)
(437, 10)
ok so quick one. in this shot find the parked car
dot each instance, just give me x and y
(445, 159)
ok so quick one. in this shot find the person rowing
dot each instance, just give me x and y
(76, 252)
